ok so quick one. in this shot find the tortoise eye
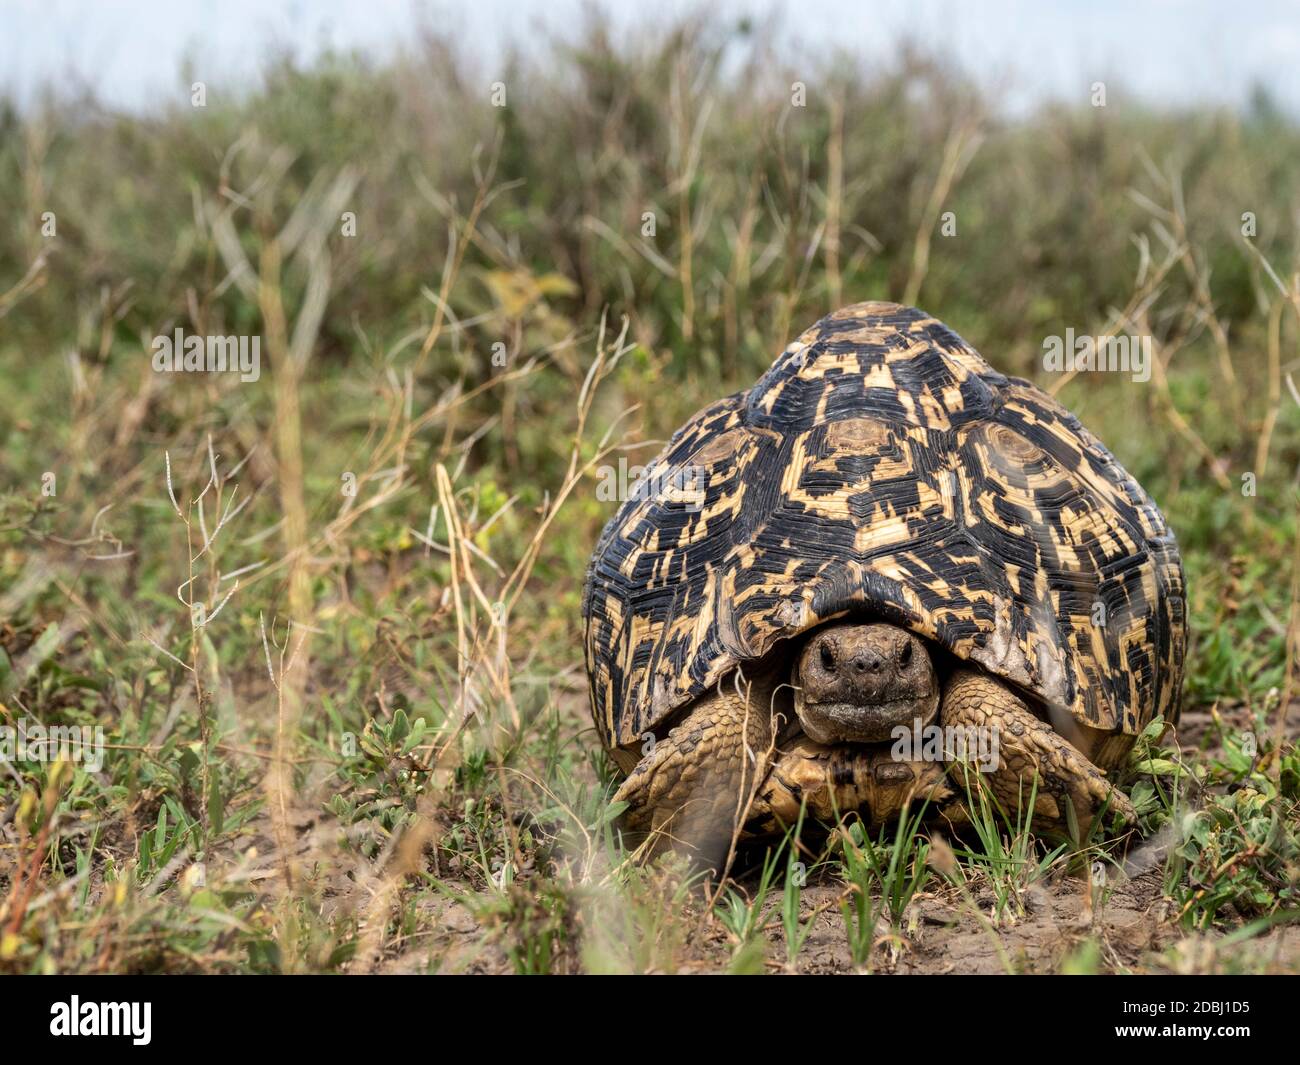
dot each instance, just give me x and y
(828, 657)
(905, 655)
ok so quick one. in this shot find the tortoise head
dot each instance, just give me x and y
(856, 683)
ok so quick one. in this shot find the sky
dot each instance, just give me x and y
(1166, 52)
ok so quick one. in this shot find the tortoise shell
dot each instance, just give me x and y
(881, 467)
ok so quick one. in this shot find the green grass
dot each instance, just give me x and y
(1004, 856)
(377, 755)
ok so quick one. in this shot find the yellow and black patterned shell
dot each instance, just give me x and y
(882, 467)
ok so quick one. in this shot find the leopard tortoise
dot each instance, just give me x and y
(884, 531)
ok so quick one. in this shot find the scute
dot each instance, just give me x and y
(881, 467)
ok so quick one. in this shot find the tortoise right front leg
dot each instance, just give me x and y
(688, 792)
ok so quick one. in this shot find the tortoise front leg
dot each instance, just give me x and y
(1026, 748)
(696, 782)
(830, 781)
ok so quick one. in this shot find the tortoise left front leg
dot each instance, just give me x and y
(1027, 747)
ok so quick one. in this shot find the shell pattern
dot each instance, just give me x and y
(881, 467)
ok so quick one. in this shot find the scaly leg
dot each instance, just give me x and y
(688, 792)
(1027, 748)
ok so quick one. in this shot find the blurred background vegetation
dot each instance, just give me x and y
(462, 552)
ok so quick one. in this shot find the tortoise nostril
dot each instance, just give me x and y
(868, 662)
(827, 656)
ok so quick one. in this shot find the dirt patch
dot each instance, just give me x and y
(1054, 928)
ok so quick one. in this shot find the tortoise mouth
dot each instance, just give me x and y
(843, 722)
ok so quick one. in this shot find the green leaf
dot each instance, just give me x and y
(1159, 767)
(216, 808)
(417, 734)
(189, 760)
(610, 813)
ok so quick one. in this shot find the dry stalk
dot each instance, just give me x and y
(963, 142)
(383, 879)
